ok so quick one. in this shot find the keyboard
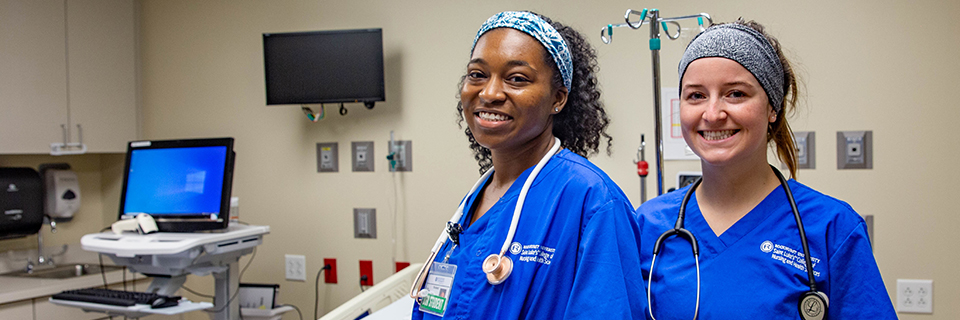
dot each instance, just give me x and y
(118, 297)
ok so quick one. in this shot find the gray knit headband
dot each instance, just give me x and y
(747, 47)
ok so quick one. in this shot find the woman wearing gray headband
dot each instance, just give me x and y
(736, 89)
(544, 234)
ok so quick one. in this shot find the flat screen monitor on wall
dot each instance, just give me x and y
(324, 66)
(183, 184)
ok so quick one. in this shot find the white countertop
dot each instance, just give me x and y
(22, 288)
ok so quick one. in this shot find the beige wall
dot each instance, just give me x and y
(882, 66)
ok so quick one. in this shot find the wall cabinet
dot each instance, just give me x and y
(66, 67)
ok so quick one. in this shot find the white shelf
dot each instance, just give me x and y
(264, 314)
(136, 311)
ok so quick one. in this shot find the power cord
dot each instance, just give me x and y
(197, 293)
(295, 308)
(102, 273)
(239, 277)
(316, 292)
(363, 279)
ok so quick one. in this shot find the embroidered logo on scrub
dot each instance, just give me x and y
(788, 256)
(515, 248)
(532, 253)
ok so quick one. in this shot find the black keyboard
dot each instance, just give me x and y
(118, 298)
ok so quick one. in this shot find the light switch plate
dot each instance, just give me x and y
(362, 156)
(327, 157)
(854, 149)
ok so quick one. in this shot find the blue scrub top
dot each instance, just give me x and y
(574, 252)
(755, 269)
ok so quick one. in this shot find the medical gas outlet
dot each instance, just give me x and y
(805, 141)
(400, 155)
(854, 149)
(327, 157)
(362, 159)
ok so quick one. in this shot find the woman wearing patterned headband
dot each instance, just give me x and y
(531, 104)
(735, 88)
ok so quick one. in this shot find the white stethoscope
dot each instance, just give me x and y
(813, 304)
(497, 266)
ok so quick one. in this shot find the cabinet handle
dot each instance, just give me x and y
(57, 149)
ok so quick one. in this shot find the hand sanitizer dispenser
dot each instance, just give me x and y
(63, 194)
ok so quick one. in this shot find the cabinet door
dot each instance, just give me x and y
(17, 310)
(33, 81)
(101, 42)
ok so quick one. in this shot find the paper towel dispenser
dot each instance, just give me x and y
(21, 202)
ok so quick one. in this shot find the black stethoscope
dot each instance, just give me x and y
(812, 305)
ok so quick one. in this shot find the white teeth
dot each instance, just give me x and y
(492, 116)
(718, 135)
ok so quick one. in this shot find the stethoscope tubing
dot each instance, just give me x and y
(444, 235)
(680, 231)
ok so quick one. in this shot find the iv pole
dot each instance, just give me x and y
(653, 15)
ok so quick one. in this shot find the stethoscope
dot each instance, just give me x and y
(497, 266)
(812, 305)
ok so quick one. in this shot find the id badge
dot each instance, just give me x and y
(437, 288)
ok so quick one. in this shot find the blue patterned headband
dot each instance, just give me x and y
(536, 27)
(747, 47)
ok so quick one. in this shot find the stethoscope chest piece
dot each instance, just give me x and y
(813, 305)
(497, 268)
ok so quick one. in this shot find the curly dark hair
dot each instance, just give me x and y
(582, 123)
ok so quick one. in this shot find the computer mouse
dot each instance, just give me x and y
(163, 302)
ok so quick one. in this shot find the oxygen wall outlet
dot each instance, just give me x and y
(327, 157)
(806, 149)
(914, 296)
(854, 149)
(362, 158)
(401, 153)
(296, 266)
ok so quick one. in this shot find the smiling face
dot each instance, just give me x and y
(724, 113)
(507, 96)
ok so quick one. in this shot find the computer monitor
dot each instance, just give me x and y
(183, 184)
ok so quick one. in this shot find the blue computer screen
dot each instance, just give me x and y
(175, 181)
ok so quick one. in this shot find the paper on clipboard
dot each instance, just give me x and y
(674, 147)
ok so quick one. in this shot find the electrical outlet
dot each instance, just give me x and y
(366, 269)
(330, 276)
(296, 267)
(914, 296)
